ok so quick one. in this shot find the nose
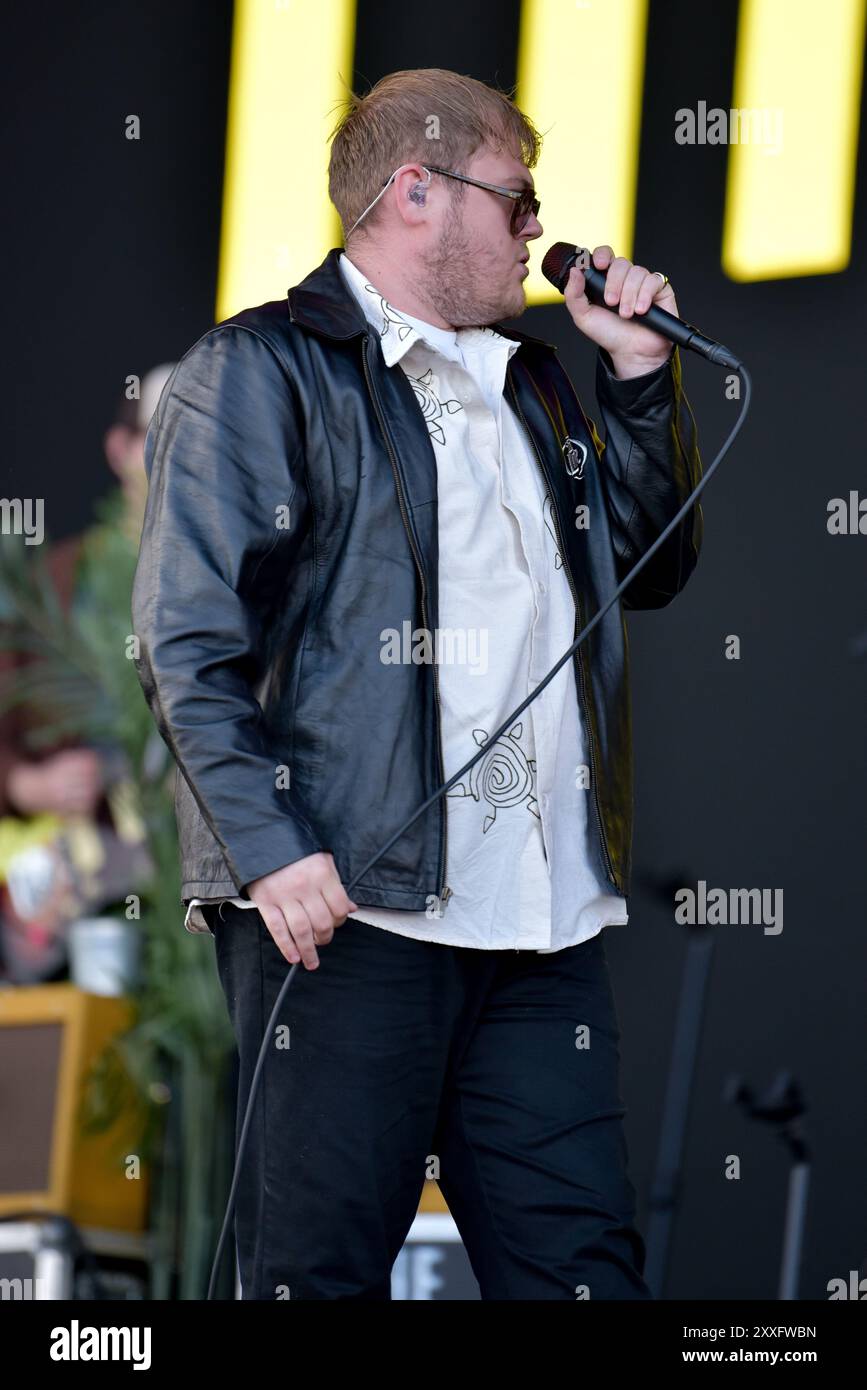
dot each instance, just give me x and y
(532, 228)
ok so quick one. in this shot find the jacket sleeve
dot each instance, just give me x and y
(223, 462)
(651, 464)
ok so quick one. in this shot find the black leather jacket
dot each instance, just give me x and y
(292, 516)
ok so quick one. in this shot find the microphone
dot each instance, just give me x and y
(561, 257)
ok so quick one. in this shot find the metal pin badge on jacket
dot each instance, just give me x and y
(575, 455)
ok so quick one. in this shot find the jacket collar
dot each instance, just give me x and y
(324, 304)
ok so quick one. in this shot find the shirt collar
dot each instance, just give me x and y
(398, 331)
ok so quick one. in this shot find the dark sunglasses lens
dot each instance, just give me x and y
(526, 204)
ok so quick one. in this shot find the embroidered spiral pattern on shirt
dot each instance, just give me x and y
(431, 406)
(506, 777)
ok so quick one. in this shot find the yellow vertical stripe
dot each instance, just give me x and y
(288, 58)
(789, 212)
(580, 78)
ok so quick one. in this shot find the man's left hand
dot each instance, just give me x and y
(634, 349)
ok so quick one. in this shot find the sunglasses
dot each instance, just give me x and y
(524, 200)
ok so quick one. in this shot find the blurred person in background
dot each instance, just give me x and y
(60, 853)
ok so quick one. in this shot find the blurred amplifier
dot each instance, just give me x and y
(44, 1258)
(37, 1260)
(50, 1035)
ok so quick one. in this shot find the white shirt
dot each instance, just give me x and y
(517, 859)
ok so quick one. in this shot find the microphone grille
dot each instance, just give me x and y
(557, 263)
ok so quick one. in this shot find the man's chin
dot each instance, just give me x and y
(514, 304)
(520, 303)
(511, 306)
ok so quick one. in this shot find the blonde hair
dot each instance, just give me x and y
(421, 115)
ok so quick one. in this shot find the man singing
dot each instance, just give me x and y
(376, 518)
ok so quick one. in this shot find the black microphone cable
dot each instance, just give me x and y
(485, 748)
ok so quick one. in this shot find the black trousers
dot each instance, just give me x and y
(496, 1071)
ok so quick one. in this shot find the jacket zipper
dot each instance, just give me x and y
(577, 656)
(445, 893)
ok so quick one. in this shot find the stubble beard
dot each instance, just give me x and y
(460, 283)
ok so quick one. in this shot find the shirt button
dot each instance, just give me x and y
(540, 587)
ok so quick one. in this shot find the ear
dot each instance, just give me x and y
(418, 190)
(412, 191)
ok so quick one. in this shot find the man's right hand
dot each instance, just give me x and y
(301, 904)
